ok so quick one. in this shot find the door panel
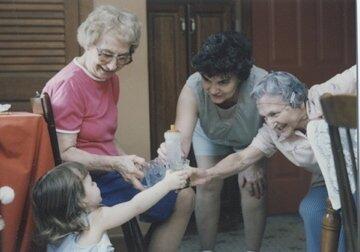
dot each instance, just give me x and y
(314, 40)
(176, 31)
(171, 48)
(209, 19)
(168, 66)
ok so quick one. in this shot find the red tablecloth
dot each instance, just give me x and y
(25, 155)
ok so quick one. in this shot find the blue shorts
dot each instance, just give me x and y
(114, 190)
(204, 146)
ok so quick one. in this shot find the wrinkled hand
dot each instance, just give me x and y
(286, 132)
(253, 180)
(198, 176)
(129, 168)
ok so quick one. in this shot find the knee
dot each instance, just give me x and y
(185, 202)
(210, 188)
(304, 209)
(309, 212)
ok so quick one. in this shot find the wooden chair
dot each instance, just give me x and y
(331, 225)
(340, 111)
(42, 105)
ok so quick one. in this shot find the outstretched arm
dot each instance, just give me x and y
(110, 217)
(230, 165)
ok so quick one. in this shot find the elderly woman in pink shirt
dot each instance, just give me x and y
(287, 106)
(84, 96)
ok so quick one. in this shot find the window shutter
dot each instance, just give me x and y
(37, 39)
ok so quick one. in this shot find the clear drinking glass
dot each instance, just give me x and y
(154, 171)
(180, 165)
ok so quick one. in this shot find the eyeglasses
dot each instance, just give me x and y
(105, 57)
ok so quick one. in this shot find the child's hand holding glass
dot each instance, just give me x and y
(176, 179)
(155, 170)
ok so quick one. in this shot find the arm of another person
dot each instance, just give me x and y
(232, 164)
(186, 117)
(262, 145)
(235, 163)
(342, 83)
(124, 164)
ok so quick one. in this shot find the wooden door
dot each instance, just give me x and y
(176, 30)
(314, 40)
(167, 66)
(37, 39)
(207, 19)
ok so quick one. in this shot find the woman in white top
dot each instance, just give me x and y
(287, 107)
(69, 215)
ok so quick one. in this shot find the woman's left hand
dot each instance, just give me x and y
(129, 168)
(253, 180)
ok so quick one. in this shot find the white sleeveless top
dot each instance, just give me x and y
(235, 126)
(69, 244)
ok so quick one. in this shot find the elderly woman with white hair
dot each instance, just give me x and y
(84, 96)
(287, 106)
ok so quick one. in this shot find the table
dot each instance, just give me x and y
(25, 155)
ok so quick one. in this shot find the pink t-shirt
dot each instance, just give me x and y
(85, 106)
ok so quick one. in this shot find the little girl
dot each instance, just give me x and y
(68, 213)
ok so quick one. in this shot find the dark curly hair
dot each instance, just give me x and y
(225, 53)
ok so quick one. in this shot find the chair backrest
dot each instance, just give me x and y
(341, 111)
(42, 105)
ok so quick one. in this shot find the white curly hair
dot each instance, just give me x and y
(107, 18)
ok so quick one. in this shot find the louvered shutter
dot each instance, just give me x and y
(37, 39)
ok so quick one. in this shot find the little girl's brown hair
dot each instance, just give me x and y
(57, 200)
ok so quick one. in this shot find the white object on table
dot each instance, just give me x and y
(7, 195)
(4, 107)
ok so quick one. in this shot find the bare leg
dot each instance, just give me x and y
(207, 206)
(254, 215)
(167, 236)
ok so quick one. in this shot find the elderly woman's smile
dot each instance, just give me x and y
(279, 115)
(105, 58)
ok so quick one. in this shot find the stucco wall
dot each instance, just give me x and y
(134, 129)
(133, 132)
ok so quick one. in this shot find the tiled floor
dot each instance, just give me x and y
(283, 233)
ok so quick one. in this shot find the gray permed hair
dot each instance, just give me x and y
(292, 91)
(107, 18)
